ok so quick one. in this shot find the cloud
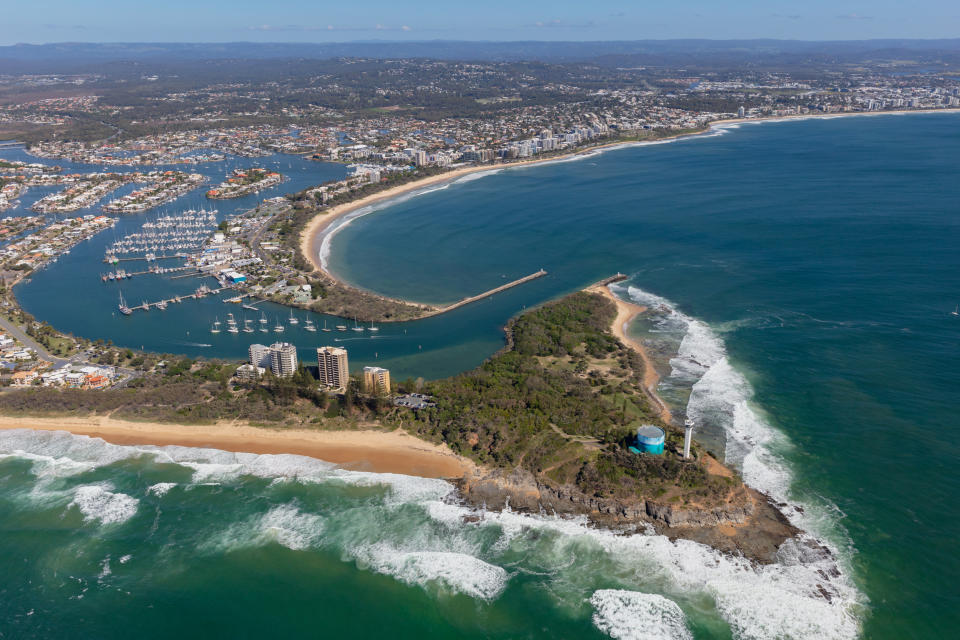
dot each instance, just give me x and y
(561, 24)
(854, 16)
(329, 27)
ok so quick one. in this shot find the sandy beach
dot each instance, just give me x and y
(626, 312)
(317, 229)
(366, 450)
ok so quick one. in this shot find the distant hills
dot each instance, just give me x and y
(650, 52)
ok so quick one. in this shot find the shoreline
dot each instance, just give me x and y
(362, 450)
(318, 232)
(626, 312)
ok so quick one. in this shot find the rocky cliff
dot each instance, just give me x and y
(745, 523)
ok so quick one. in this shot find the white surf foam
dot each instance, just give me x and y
(59, 454)
(98, 502)
(721, 397)
(161, 489)
(780, 600)
(285, 525)
(630, 615)
(460, 572)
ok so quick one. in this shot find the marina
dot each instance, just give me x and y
(182, 232)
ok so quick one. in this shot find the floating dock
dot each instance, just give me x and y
(113, 259)
(160, 304)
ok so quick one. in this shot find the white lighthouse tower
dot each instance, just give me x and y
(687, 438)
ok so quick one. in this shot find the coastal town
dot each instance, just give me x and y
(552, 337)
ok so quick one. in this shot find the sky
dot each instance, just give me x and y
(25, 21)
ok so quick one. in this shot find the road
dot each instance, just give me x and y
(124, 375)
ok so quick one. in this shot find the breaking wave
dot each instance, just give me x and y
(460, 572)
(98, 502)
(285, 525)
(408, 528)
(629, 615)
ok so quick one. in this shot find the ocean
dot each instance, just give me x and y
(802, 276)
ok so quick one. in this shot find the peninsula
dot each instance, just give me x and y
(570, 358)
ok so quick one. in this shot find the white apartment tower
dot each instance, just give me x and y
(259, 356)
(283, 359)
(332, 367)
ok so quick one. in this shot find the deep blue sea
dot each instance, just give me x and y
(802, 276)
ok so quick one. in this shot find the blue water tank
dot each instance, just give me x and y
(650, 439)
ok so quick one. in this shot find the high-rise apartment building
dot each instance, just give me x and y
(283, 359)
(376, 380)
(332, 366)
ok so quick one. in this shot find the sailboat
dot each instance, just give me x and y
(356, 327)
(278, 328)
(216, 327)
(293, 318)
(246, 327)
(309, 326)
(263, 318)
(372, 328)
(956, 312)
(124, 309)
(325, 326)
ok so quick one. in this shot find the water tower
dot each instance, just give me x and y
(650, 439)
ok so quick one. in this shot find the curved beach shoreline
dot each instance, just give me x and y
(626, 312)
(362, 450)
(320, 230)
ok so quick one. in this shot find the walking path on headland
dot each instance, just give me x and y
(626, 312)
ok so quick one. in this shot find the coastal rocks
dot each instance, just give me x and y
(748, 525)
(674, 517)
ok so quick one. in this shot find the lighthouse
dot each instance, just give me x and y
(687, 438)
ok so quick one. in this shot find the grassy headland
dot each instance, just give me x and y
(544, 423)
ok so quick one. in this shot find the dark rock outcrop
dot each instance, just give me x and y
(748, 524)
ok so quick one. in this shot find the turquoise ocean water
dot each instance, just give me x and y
(803, 275)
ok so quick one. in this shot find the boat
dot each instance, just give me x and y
(162, 305)
(356, 327)
(263, 318)
(263, 329)
(124, 309)
(146, 305)
(309, 326)
(956, 312)
(233, 329)
(293, 318)
(278, 328)
(246, 327)
(341, 327)
(372, 328)
(325, 326)
(216, 327)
